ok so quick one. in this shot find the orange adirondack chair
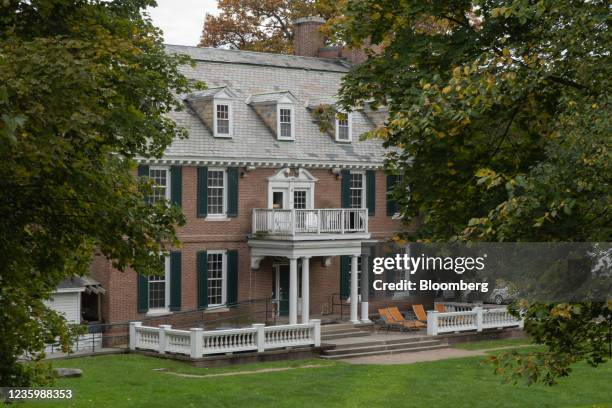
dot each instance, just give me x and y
(440, 308)
(391, 321)
(420, 313)
(397, 316)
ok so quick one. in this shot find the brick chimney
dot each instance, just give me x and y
(307, 40)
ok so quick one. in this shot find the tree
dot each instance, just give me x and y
(84, 89)
(500, 120)
(255, 25)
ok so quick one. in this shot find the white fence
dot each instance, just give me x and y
(198, 343)
(319, 221)
(476, 319)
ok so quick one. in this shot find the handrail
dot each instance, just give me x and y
(284, 222)
(342, 304)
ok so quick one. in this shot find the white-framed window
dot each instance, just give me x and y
(160, 176)
(223, 119)
(217, 192)
(286, 122)
(344, 132)
(159, 289)
(300, 199)
(217, 277)
(357, 190)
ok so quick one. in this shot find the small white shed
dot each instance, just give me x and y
(67, 297)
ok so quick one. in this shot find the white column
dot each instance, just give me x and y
(354, 287)
(133, 334)
(197, 342)
(293, 282)
(305, 289)
(260, 336)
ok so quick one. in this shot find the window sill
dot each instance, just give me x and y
(158, 312)
(286, 139)
(396, 216)
(343, 141)
(217, 309)
(223, 136)
(217, 218)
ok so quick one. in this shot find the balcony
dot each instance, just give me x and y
(327, 223)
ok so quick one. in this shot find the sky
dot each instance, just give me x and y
(182, 20)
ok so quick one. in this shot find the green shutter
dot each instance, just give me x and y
(371, 191)
(345, 274)
(391, 203)
(346, 188)
(175, 280)
(232, 277)
(176, 185)
(202, 205)
(232, 192)
(202, 271)
(143, 171)
(143, 293)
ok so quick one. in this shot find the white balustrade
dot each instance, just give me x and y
(318, 221)
(197, 342)
(475, 319)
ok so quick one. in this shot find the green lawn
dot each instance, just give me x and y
(129, 381)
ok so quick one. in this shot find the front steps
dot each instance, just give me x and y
(340, 331)
(379, 347)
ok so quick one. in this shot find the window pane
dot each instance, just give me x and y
(343, 129)
(356, 191)
(160, 184)
(285, 122)
(157, 291)
(223, 119)
(215, 279)
(215, 192)
(299, 199)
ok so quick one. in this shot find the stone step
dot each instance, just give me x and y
(381, 347)
(382, 352)
(336, 326)
(370, 342)
(341, 331)
(334, 336)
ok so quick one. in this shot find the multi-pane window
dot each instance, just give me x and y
(216, 190)
(160, 184)
(299, 199)
(223, 119)
(157, 288)
(342, 128)
(216, 275)
(285, 123)
(356, 191)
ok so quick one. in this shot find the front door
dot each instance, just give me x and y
(280, 288)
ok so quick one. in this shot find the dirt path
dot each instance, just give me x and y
(231, 373)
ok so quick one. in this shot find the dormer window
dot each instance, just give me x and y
(343, 127)
(223, 124)
(277, 111)
(285, 123)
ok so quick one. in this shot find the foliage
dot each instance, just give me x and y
(499, 116)
(325, 115)
(571, 332)
(255, 25)
(84, 89)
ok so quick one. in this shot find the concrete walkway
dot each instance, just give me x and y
(423, 356)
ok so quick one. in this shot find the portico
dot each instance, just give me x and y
(301, 253)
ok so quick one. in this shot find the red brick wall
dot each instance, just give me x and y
(119, 303)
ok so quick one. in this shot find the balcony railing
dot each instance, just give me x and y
(310, 222)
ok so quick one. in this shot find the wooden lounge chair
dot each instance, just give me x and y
(420, 313)
(389, 321)
(398, 317)
(440, 308)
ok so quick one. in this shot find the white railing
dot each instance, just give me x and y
(198, 343)
(475, 319)
(319, 221)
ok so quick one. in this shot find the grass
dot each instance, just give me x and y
(130, 381)
(490, 344)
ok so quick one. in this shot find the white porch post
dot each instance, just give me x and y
(354, 288)
(293, 282)
(305, 289)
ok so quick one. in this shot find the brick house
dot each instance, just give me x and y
(275, 207)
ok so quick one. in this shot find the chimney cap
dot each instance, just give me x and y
(310, 19)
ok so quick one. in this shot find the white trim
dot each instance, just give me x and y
(223, 277)
(230, 114)
(168, 178)
(364, 185)
(68, 290)
(303, 181)
(290, 107)
(166, 308)
(260, 163)
(349, 118)
(222, 215)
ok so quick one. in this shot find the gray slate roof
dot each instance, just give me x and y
(310, 80)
